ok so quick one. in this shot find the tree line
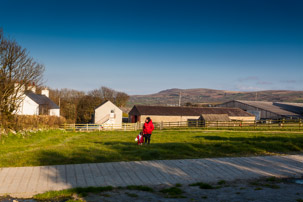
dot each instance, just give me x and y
(78, 106)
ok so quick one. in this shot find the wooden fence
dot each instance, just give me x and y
(253, 125)
(101, 127)
(231, 125)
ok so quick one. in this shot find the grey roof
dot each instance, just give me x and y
(186, 111)
(280, 108)
(42, 100)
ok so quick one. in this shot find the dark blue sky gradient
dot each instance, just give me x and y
(145, 46)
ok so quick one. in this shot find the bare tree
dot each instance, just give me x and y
(17, 71)
(121, 99)
(105, 93)
(68, 100)
(108, 93)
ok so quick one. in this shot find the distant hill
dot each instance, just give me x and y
(209, 96)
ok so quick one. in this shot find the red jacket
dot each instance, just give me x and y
(148, 127)
(140, 139)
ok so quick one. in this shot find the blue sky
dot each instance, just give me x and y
(145, 46)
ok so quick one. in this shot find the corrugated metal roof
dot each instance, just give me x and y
(185, 111)
(42, 100)
(280, 108)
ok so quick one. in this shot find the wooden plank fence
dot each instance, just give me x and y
(232, 125)
(101, 127)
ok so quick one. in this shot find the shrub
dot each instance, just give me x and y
(25, 122)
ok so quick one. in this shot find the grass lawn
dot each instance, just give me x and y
(59, 147)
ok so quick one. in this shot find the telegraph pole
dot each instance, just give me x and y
(180, 99)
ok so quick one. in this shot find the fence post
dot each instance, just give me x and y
(87, 127)
(300, 122)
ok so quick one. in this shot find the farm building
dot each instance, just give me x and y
(268, 110)
(213, 118)
(179, 114)
(35, 104)
(108, 114)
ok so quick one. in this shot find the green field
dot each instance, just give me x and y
(60, 147)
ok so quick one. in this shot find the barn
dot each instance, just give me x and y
(179, 114)
(268, 110)
(214, 119)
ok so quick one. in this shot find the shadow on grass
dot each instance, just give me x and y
(256, 139)
(209, 146)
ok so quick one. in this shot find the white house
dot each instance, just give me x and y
(35, 104)
(108, 114)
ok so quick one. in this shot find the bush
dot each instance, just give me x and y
(25, 122)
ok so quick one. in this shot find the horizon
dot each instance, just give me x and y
(143, 48)
(215, 90)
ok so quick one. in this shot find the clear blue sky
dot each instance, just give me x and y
(145, 46)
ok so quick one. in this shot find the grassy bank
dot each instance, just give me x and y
(59, 147)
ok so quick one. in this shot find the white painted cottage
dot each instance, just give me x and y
(108, 114)
(35, 104)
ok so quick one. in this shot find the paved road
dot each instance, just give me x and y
(27, 181)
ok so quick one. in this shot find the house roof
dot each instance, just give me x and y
(280, 108)
(185, 111)
(215, 117)
(42, 100)
(103, 103)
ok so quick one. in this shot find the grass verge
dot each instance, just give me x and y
(69, 193)
(140, 188)
(202, 185)
(173, 192)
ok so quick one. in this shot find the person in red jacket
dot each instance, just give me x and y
(140, 138)
(148, 128)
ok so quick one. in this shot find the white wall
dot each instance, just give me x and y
(105, 111)
(28, 107)
(54, 112)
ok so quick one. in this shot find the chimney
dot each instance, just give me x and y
(32, 87)
(45, 92)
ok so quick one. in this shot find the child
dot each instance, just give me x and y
(140, 138)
